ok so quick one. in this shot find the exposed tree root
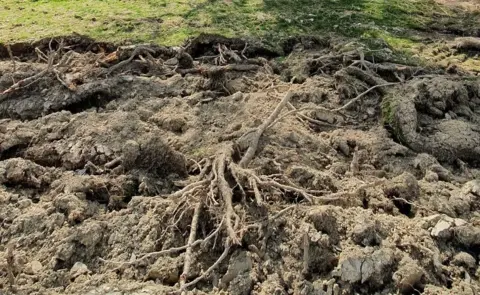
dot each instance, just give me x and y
(214, 182)
(191, 239)
(250, 153)
(212, 71)
(210, 269)
(136, 52)
(345, 106)
(370, 78)
(32, 79)
(50, 58)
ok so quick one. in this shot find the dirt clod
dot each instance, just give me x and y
(409, 276)
(464, 259)
(367, 233)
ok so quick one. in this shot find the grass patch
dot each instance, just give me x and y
(170, 22)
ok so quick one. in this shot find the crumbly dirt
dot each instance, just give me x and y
(366, 182)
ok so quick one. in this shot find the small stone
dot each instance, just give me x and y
(36, 266)
(78, 269)
(430, 221)
(351, 269)
(464, 259)
(237, 96)
(239, 267)
(430, 176)
(374, 268)
(33, 267)
(442, 229)
(344, 148)
(459, 222)
(472, 187)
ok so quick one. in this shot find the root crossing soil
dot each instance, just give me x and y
(221, 167)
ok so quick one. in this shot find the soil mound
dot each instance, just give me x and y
(223, 167)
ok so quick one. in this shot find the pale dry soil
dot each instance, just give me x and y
(379, 197)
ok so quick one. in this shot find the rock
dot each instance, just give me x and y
(366, 233)
(430, 221)
(370, 112)
(78, 269)
(464, 259)
(472, 187)
(404, 186)
(408, 275)
(131, 150)
(377, 267)
(171, 62)
(374, 268)
(165, 269)
(36, 266)
(237, 96)
(442, 229)
(344, 148)
(430, 176)
(33, 267)
(459, 222)
(351, 269)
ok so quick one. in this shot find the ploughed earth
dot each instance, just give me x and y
(229, 167)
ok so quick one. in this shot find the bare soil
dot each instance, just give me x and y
(226, 167)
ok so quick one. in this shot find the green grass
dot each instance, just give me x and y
(171, 21)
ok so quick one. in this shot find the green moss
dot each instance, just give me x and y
(389, 105)
(388, 111)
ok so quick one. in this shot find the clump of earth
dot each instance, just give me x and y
(231, 167)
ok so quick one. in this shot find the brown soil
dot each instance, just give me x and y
(129, 172)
